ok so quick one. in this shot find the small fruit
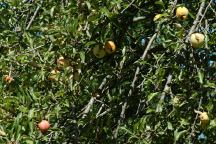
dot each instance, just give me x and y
(197, 40)
(176, 101)
(204, 119)
(110, 47)
(54, 74)
(98, 52)
(8, 79)
(182, 13)
(44, 125)
(61, 61)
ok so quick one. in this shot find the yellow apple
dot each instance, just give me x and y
(197, 40)
(110, 47)
(182, 13)
(54, 74)
(99, 52)
(61, 61)
(204, 119)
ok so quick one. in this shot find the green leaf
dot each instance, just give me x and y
(169, 126)
(200, 76)
(52, 11)
(31, 114)
(152, 95)
(178, 134)
(82, 56)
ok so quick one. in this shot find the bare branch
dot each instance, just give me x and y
(196, 21)
(174, 5)
(193, 126)
(103, 113)
(163, 94)
(88, 107)
(92, 100)
(136, 75)
(128, 6)
(33, 17)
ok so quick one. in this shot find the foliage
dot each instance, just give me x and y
(85, 102)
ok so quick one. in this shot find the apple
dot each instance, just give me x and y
(197, 40)
(110, 47)
(53, 74)
(43, 126)
(99, 52)
(61, 61)
(8, 78)
(182, 13)
(204, 119)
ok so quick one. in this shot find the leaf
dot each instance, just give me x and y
(159, 106)
(82, 56)
(152, 95)
(160, 2)
(31, 114)
(52, 11)
(169, 126)
(200, 75)
(177, 134)
(88, 4)
(2, 133)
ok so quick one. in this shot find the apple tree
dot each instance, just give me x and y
(118, 71)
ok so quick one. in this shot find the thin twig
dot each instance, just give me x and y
(103, 113)
(196, 21)
(100, 109)
(33, 49)
(204, 13)
(128, 6)
(10, 70)
(136, 75)
(124, 106)
(33, 17)
(194, 123)
(206, 31)
(174, 5)
(88, 107)
(139, 18)
(163, 94)
(92, 100)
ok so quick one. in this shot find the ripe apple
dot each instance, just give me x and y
(53, 74)
(8, 79)
(197, 40)
(182, 13)
(204, 119)
(61, 61)
(99, 52)
(44, 125)
(110, 47)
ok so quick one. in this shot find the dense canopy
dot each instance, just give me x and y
(108, 71)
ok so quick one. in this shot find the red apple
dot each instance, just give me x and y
(44, 125)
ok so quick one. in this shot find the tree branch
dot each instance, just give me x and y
(33, 17)
(196, 21)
